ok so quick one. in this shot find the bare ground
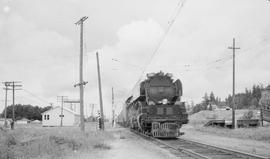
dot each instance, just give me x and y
(128, 145)
(115, 143)
(240, 144)
(250, 140)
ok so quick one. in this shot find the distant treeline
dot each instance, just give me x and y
(25, 111)
(246, 100)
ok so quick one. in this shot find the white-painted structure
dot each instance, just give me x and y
(22, 121)
(52, 117)
(35, 122)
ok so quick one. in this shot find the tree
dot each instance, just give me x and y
(197, 108)
(206, 101)
(229, 101)
(256, 94)
(212, 98)
(26, 111)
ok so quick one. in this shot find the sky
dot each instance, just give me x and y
(39, 46)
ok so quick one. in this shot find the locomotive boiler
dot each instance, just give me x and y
(155, 107)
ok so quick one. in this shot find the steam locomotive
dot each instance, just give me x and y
(155, 108)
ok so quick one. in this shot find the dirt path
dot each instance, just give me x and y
(128, 145)
(245, 145)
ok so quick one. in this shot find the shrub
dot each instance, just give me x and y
(248, 115)
(102, 146)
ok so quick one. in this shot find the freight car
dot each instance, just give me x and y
(155, 107)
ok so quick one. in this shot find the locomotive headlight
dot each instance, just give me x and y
(165, 101)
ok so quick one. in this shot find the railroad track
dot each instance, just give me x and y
(191, 149)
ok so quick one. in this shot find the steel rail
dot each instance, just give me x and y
(237, 153)
(187, 152)
(198, 150)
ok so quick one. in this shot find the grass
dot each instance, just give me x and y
(199, 119)
(102, 146)
(204, 116)
(53, 142)
(260, 133)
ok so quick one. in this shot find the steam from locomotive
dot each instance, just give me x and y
(155, 108)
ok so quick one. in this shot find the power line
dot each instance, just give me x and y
(46, 59)
(171, 22)
(129, 64)
(28, 98)
(35, 96)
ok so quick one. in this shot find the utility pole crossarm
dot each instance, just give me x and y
(79, 22)
(235, 48)
(78, 84)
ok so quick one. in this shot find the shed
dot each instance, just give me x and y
(53, 117)
(35, 122)
(23, 121)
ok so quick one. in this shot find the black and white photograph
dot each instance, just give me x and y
(135, 79)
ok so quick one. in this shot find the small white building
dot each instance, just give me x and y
(35, 122)
(52, 117)
(22, 121)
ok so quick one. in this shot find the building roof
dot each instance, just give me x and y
(71, 111)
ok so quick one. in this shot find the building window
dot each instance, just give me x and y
(46, 117)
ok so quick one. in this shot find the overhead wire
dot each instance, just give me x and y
(226, 59)
(35, 96)
(170, 24)
(223, 60)
(129, 64)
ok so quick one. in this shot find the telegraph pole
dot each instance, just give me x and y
(6, 89)
(100, 94)
(92, 109)
(13, 85)
(62, 104)
(71, 102)
(234, 125)
(81, 83)
(86, 114)
(112, 108)
(13, 97)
